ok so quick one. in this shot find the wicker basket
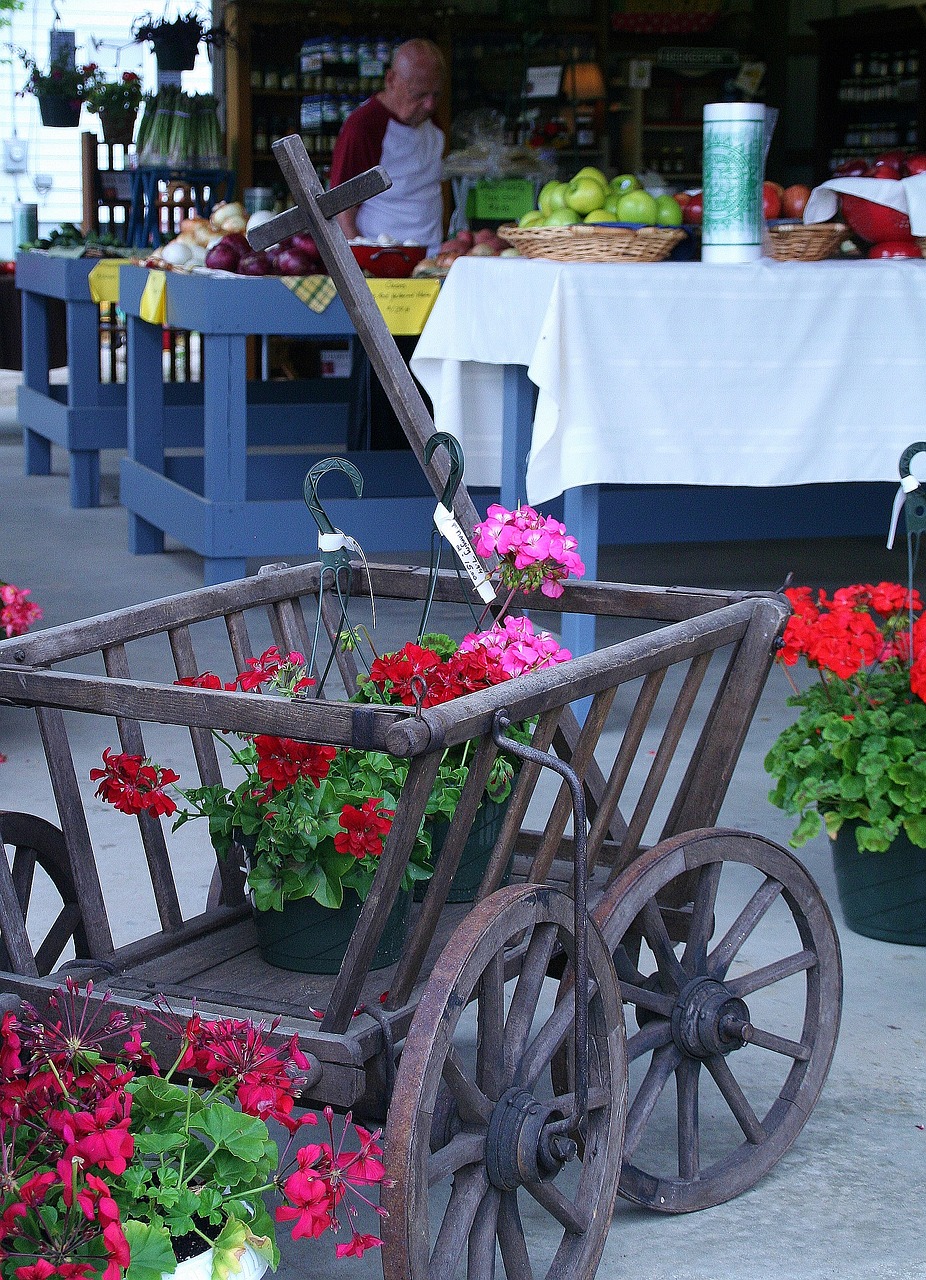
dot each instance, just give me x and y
(593, 242)
(797, 242)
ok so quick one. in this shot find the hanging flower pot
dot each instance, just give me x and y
(118, 126)
(58, 112)
(176, 54)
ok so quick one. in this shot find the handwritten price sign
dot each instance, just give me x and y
(405, 304)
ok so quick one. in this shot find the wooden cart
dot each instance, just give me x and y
(495, 1049)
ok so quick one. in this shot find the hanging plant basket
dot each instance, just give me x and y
(58, 112)
(118, 126)
(176, 52)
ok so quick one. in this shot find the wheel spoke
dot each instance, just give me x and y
(769, 974)
(571, 1216)
(527, 993)
(490, 1029)
(511, 1239)
(652, 1035)
(547, 1040)
(702, 919)
(689, 1141)
(673, 975)
(664, 1062)
(474, 1107)
(625, 968)
(463, 1149)
(721, 957)
(655, 1001)
(481, 1247)
(736, 1100)
(778, 1044)
(597, 1099)
(23, 872)
(469, 1187)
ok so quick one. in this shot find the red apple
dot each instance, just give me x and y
(915, 164)
(794, 200)
(874, 222)
(889, 170)
(905, 248)
(771, 201)
(694, 209)
(682, 198)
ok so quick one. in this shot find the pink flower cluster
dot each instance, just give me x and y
(17, 614)
(516, 646)
(533, 550)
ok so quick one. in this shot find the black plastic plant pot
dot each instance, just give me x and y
(58, 112)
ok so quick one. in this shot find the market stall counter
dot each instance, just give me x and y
(241, 495)
(749, 401)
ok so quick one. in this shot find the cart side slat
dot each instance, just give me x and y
(710, 768)
(152, 833)
(564, 744)
(471, 716)
(383, 893)
(306, 720)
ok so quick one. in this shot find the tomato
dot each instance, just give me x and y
(874, 222)
(771, 201)
(794, 200)
(908, 248)
(694, 209)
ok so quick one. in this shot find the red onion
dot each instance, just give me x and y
(223, 257)
(295, 262)
(255, 264)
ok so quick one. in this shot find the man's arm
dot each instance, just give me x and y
(347, 221)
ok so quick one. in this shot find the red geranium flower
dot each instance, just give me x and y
(134, 785)
(281, 761)
(365, 829)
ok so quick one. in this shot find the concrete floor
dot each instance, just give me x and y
(846, 1203)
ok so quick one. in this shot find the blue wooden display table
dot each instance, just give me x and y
(86, 415)
(243, 495)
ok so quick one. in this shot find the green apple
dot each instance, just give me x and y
(591, 172)
(530, 219)
(599, 215)
(637, 206)
(624, 182)
(584, 195)
(612, 200)
(562, 218)
(551, 192)
(668, 212)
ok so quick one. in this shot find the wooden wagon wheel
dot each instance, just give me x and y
(39, 844)
(737, 996)
(473, 1104)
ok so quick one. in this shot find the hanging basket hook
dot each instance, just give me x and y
(455, 478)
(310, 488)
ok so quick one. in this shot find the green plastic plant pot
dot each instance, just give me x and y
(476, 852)
(882, 895)
(310, 938)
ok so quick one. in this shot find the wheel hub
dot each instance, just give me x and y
(524, 1142)
(708, 1020)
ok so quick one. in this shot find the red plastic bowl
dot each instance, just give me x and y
(392, 261)
(874, 222)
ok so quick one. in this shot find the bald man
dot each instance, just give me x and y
(394, 128)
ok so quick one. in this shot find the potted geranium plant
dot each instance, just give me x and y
(854, 761)
(61, 90)
(311, 819)
(116, 102)
(110, 1169)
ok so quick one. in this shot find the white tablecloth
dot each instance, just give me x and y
(683, 373)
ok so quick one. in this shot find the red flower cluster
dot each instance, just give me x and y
(270, 667)
(365, 829)
(134, 785)
(414, 673)
(266, 1083)
(857, 626)
(281, 761)
(17, 614)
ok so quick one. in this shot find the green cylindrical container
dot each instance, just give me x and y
(474, 859)
(310, 938)
(734, 161)
(25, 224)
(882, 895)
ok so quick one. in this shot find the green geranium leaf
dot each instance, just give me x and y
(244, 1136)
(151, 1253)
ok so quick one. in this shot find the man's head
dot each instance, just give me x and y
(414, 81)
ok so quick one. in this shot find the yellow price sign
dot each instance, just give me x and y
(405, 304)
(153, 305)
(103, 280)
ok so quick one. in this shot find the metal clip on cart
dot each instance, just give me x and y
(498, 1056)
